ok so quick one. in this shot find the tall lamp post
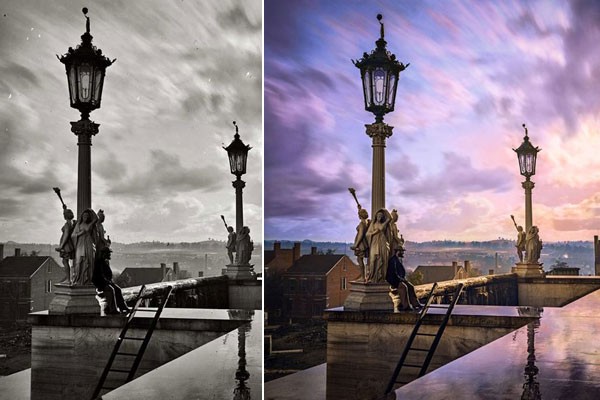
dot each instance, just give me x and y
(85, 66)
(527, 155)
(237, 152)
(379, 73)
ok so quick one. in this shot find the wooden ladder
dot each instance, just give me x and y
(137, 357)
(415, 332)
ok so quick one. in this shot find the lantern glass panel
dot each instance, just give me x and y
(530, 163)
(85, 83)
(367, 88)
(379, 78)
(72, 84)
(98, 80)
(391, 88)
(522, 164)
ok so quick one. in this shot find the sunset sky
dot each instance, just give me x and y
(478, 70)
(184, 72)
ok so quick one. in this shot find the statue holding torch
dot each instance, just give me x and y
(231, 241)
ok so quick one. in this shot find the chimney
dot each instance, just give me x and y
(176, 270)
(467, 266)
(163, 270)
(597, 254)
(17, 252)
(200, 274)
(277, 246)
(491, 271)
(297, 252)
(313, 250)
(455, 266)
(1, 251)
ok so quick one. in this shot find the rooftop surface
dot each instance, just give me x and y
(22, 266)
(209, 372)
(566, 352)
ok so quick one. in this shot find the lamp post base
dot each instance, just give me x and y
(235, 271)
(74, 300)
(526, 270)
(369, 297)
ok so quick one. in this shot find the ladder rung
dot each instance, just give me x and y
(125, 371)
(108, 388)
(413, 366)
(133, 338)
(417, 349)
(425, 334)
(127, 354)
(402, 382)
(439, 306)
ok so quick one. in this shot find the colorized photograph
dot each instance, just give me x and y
(131, 156)
(431, 199)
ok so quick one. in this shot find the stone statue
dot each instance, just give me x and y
(101, 242)
(533, 245)
(83, 237)
(244, 247)
(379, 240)
(395, 244)
(520, 244)
(66, 248)
(231, 241)
(360, 246)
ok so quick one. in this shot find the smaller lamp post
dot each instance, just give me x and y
(237, 152)
(527, 155)
(85, 67)
(379, 72)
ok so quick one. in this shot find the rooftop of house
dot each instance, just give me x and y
(22, 266)
(438, 273)
(316, 264)
(269, 256)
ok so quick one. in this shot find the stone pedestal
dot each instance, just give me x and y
(74, 300)
(526, 270)
(369, 297)
(243, 271)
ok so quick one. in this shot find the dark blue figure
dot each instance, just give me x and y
(402, 291)
(106, 288)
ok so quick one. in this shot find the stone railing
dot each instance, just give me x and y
(499, 290)
(209, 292)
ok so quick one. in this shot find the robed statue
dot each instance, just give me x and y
(380, 241)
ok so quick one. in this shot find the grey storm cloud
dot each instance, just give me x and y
(166, 174)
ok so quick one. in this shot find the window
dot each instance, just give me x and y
(303, 285)
(343, 283)
(49, 286)
(49, 267)
(292, 284)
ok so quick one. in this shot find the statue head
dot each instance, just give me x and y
(101, 216)
(380, 216)
(363, 214)
(520, 228)
(68, 214)
(86, 216)
(230, 229)
(394, 215)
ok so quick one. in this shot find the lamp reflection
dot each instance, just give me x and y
(531, 387)
(242, 391)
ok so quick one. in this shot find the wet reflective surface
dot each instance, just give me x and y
(229, 367)
(555, 358)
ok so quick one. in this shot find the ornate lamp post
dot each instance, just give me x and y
(85, 67)
(379, 72)
(527, 155)
(237, 152)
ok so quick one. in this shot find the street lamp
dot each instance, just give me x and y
(527, 156)
(85, 66)
(237, 152)
(379, 73)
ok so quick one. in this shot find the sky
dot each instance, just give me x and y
(478, 71)
(184, 71)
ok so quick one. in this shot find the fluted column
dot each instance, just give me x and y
(84, 129)
(378, 131)
(239, 204)
(528, 185)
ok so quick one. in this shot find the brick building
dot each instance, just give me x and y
(316, 282)
(278, 260)
(440, 273)
(26, 285)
